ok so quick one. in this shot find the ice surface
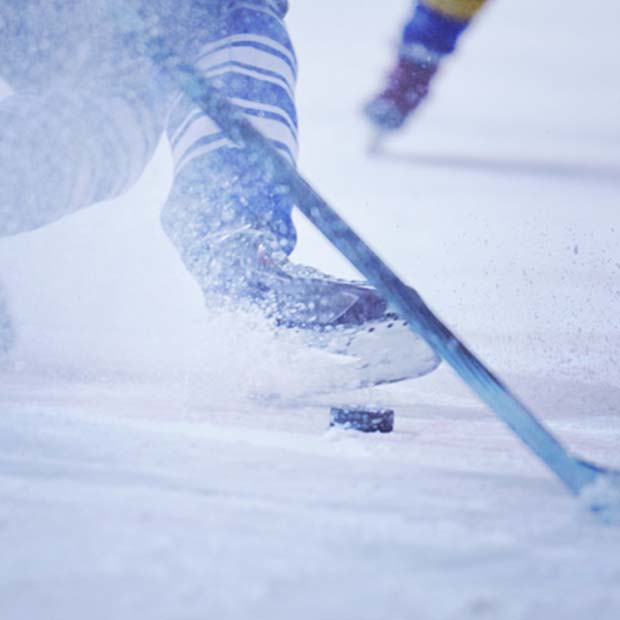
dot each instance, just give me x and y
(603, 498)
(139, 479)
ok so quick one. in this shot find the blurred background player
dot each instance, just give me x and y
(428, 37)
(88, 110)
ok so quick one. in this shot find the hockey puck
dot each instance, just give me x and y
(363, 420)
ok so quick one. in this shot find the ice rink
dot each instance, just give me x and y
(141, 478)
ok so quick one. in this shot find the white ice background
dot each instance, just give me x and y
(140, 479)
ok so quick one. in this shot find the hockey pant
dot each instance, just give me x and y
(76, 138)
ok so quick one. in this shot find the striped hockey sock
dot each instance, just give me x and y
(253, 63)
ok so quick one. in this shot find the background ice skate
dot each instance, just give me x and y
(139, 480)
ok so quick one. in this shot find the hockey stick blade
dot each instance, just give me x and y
(578, 476)
(603, 496)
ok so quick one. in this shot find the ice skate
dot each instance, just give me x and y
(236, 241)
(407, 86)
(343, 317)
(430, 35)
(247, 268)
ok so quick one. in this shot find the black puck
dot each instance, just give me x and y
(363, 420)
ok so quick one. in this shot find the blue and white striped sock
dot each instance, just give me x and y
(221, 204)
(253, 63)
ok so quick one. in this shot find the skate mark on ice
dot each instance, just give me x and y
(572, 170)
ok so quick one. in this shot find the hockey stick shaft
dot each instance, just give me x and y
(575, 474)
(408, 302)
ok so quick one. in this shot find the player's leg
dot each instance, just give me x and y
(66, 149)
(221, 208)
(85, 115)
(81, 118)
(229, 220)
(232, 223)
(429, 36)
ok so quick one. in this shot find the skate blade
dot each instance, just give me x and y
(376, 142)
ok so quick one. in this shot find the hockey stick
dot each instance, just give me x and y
(577, 475)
